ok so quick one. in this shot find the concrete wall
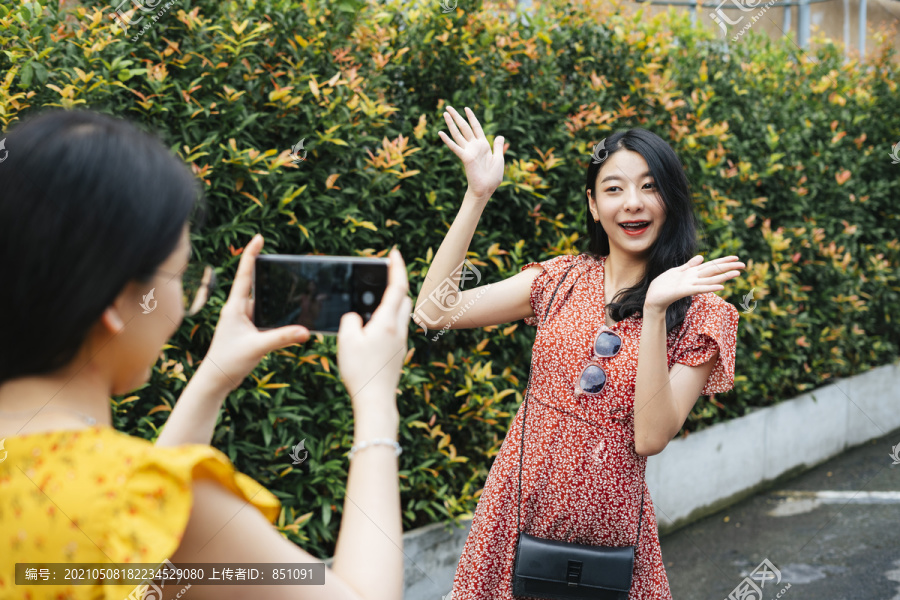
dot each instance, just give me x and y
(700, 474)
(432, 553)
(730, 460)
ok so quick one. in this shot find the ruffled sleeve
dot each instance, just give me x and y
(545, 282)
(157, 499)
(99, 496)
(711, 326)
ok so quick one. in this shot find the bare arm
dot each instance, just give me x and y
(368, 560)
(444, 272)
(663, 399)
(491, 304)
(236, 348)
(194, 417)
(225, 529)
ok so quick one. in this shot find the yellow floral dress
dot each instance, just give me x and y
(100, 496)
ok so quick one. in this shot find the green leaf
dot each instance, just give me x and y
(25, 75)
(41, 72)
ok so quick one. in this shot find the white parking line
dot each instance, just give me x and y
(835, 497)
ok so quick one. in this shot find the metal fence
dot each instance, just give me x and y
(803, 25)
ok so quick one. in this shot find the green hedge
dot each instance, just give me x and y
(788, 152)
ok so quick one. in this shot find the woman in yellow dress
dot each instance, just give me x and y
(94, 226)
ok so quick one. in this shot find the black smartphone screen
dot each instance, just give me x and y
(315, 291)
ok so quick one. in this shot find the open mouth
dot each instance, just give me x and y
(635, 227)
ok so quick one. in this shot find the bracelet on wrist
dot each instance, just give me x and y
(379, 442)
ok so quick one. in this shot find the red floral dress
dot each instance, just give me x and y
(582, 479)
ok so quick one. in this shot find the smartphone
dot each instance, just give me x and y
(316, 291)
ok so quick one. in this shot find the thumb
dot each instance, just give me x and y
(498, 145)
(694, 261)
(351, 325)
(281, 337)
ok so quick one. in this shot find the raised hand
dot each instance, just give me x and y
(484, 169)
(693, 277)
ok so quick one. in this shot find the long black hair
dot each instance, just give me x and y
(88, 203)
(677, 241)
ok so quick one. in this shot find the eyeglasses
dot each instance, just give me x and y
(593, 377)
(197, 283)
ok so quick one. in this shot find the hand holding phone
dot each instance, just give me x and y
(371, 358)
(238, 345)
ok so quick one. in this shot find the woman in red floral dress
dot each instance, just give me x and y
(586, 443)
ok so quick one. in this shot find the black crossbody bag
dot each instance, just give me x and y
(564, 570)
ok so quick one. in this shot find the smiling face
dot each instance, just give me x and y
(625, 192)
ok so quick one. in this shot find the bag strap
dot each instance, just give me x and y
(525, 417)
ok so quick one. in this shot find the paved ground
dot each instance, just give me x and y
(826, 546)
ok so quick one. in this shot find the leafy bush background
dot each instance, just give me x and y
(787, 151)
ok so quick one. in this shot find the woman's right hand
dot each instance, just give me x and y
(484, 169)
(370, 358)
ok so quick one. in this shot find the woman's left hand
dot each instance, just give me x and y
(693, 277)
(237, 345)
